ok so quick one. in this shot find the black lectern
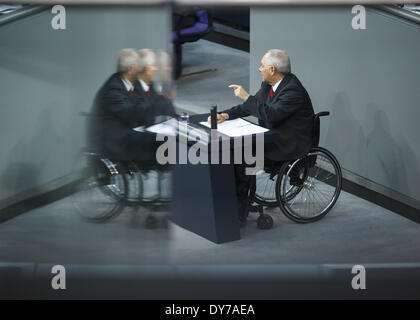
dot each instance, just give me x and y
(204, 196)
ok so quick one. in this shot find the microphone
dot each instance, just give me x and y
(213, 117)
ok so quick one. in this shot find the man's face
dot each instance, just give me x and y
(266, 71)
(134, 70)
(165, 70)
(149, 71)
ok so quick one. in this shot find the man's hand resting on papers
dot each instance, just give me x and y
(220, 117)
(240, 92)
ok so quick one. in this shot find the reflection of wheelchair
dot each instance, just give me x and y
(106, 187)
(305, 189)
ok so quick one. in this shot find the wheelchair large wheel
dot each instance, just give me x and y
(165, 180)
(151, 192)
(310, 186)
(101, 189)
(265, 190)
(134, 179)
(156, 187)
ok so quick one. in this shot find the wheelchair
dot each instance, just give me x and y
(149, 186)
(305, 189)
(104, 187)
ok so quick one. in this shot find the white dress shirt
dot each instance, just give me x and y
(276, 86)
(128, 85)
(144, 85)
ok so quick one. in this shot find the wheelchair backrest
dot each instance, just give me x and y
(316, 127)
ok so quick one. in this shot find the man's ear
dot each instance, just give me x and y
(272, 69)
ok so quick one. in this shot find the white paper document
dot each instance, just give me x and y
(168, 128)
(236, 128)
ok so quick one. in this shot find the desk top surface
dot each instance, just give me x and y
(194, 121)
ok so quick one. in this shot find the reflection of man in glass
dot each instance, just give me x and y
(157, 103)
(118, 108)
(281, 105)
(166, 86)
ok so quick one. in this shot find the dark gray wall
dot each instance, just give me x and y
(368, 79)
(47, 77)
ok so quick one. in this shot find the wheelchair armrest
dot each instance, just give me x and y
(323, 114)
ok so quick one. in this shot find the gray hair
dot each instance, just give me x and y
(127, 58)
(164, 58)
(279, 60)
(147, 58)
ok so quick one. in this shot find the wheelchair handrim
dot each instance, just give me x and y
(281, 186)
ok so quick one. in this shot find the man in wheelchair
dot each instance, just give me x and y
(282, 105)
(127, 100)
(118, 158)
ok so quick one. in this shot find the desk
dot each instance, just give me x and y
(204, 197)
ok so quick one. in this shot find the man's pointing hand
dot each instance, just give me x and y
(240, 92)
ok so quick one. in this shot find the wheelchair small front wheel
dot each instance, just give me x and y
(310, 186)
(151, 222)
(265, 222)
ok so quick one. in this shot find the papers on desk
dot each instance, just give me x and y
(168, 128)
(237, 128)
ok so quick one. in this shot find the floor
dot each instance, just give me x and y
(208, 70)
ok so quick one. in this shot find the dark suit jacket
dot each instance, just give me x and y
(155, 104)
(288, 114)
(114, 115)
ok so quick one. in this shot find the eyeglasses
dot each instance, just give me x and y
(263, 66)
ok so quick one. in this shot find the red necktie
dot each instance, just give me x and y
(148, 92)
(131, 92)
(271, 92)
